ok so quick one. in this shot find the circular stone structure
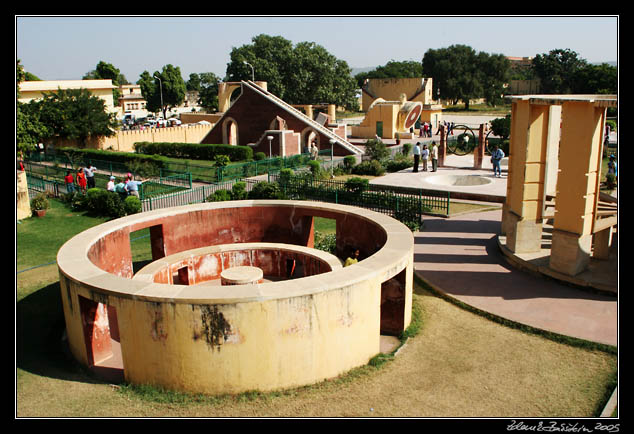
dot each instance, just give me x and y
(241, 275)
(208, 338)
(459, 180)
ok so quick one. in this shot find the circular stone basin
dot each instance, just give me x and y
(241, 275)
(459, 180)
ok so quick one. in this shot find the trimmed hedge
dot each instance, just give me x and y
(117, 157)
(194, 151)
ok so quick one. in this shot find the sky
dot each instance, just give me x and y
(67, 47)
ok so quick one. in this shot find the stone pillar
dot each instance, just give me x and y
(577, 186)
(442, 146)
(523, 209)
(478, 152)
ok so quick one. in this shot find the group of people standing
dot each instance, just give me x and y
(85, 179)
(424, 154)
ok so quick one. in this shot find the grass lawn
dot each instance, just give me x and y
(458, 365)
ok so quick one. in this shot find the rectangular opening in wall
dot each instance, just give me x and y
(141, 249)
(393, 305)
(326, 234)
(146, 246)
(101, 336)
(181, 276)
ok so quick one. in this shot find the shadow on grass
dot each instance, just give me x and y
(39, 330)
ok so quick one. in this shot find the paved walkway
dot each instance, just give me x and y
(460, 256)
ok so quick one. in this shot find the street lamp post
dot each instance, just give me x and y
(332, 156)
(161, 88)
(270, 138)
(252, 70)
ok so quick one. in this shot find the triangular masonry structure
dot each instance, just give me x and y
(255, 116)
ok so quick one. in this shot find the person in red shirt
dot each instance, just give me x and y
(70, 182)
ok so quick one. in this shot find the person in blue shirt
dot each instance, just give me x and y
(612, 167)
(496, 157)
(133, 186)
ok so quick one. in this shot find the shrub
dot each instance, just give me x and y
(315, 168)
(372, 168)
(357, 185)
(219, 196)
(239, 191)
(104, 203)
(221, 160)
(132, 205)
(348, 162)
(39, 202)
(376, 149)
(259, 156)
(325, 242)
(407, 148)
(399, 163)
(265, 190)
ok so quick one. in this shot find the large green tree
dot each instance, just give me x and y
(303, 74)
(457, 71)
(206, 84)
(107, 71)
(392, 69)
(164, 89)
(495, 73)
(73, 114)
(29, 130)
(556, 70)
(596, 79)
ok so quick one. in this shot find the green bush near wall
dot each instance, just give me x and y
(116, 157)
(194, 151)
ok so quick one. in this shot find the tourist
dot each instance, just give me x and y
(416, 156)
(90, 176)
(612, 166)
(434, 157)
(133, 186)
(314, 151)
(110, 185)
(81, 179)
(352, 259)
(121, 190)
(70, 182)
(424, 156)
(496, 157)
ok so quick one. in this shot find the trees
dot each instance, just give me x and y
(304, 74)
(556, 70)
(459, 73)
(562, 71)
(392, 69)
(74, 114)
(106, 71)
(164, 89)
(206, 84)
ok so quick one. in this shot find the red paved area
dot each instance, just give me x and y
(460, 256)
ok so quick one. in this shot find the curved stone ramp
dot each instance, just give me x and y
(461, 258)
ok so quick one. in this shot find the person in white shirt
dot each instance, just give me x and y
(424, 155)
(416, 156)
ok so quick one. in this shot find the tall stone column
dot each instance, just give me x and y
(442, 146)
(577, 185)
(478, 152)
(523, 209)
